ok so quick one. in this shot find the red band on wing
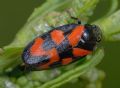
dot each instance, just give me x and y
(57, 36)
(75, 36)
(36, 49)
(66, 61)
(80, 52)
(54, 57)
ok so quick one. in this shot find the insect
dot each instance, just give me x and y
(61, 46)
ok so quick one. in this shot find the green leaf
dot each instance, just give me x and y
(10, 58)
(110, 27)
(114, 6)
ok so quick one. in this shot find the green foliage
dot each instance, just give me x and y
(110, 26)
(54, 13)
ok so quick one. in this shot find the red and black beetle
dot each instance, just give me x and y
(61, 46)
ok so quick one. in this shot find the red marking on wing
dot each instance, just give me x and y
(80, 52)
(54, 58)
(54, 55)
(36, 49)
(57, 36)
(75, 36)
(66, 61)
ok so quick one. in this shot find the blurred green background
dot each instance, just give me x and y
(14, 13)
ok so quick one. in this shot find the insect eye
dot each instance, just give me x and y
(99, 38)
(94, 26)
